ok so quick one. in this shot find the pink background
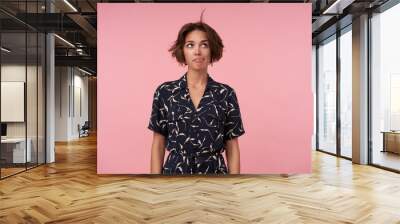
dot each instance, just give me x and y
(267, 60)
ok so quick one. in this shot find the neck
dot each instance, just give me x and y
(197, 78)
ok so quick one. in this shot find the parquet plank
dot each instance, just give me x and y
(70, 191)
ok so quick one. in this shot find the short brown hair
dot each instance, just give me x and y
(214, 40)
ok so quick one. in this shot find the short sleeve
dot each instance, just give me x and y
(158, 119)
(233, 126)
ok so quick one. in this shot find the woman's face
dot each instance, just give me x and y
(197, 50)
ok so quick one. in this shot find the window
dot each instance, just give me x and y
(327, 95)
(346, 75)
(385, 88)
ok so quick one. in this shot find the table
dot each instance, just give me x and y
(391, 141)
(15, 148)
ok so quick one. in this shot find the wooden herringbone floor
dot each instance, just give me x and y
(70, 191)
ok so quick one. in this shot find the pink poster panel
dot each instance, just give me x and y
(266, 60)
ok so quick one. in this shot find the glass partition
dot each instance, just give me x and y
(346, 93)
(385, 89)
(13, 94)
(327, 95)
(31, 100)
(41, 86)
(22, 88)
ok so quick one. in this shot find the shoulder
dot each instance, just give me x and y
(167, 88)
(223, 88)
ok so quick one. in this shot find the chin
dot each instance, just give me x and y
(198, 68)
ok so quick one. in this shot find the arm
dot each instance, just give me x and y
(233, 156)
(157, 153)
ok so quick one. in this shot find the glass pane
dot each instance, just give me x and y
(41, 98)
(31, 100)
(346, 93)
(386, 89)
(314, 75)
(31, 84)
(327, 96)
(13, 86)
(22, 87)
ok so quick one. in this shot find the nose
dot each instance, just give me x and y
(197, 50)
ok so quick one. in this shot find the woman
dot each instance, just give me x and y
(195, 117)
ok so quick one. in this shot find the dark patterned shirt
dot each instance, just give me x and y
(195, 138)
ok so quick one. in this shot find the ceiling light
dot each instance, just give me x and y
(84, 71)
(5, 50)
(64, 40)
(70, 5)
(337, 7)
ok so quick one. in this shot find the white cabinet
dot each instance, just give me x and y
(18, 149)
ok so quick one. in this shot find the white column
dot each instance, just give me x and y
(50, 100)
(360, 89)
(50, 91)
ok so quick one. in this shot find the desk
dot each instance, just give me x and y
(391, 141)
(15, 148)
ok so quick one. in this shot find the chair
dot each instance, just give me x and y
(84, 130)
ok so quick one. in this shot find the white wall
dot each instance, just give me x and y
(81, 102)
(10, 73)
(61, 103)
(16, 73)
(33, 127)
(71, 94)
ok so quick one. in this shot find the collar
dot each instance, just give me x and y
(182, 82)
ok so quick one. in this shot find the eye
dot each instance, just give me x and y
(204, 45)
(189, 45)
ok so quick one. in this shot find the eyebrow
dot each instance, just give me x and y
(193, 41)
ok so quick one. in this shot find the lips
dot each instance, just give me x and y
(198, 60)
